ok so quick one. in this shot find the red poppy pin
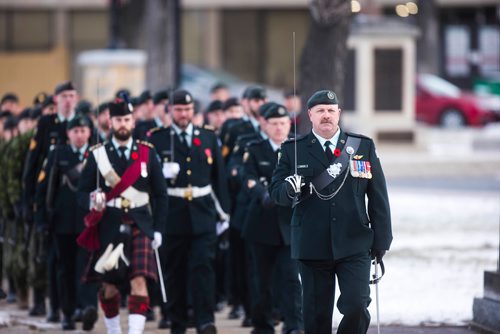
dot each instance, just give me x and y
(86, 154)
(196, 141)
(134, 155)
(336, 152)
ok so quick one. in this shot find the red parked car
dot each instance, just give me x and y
(441, 103)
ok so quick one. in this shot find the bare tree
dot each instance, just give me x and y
(428, 44)
(322, 64)
(154, 25)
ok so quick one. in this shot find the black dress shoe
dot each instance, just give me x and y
(247, 322)
(295, 331)
(164, 323)
(89, 318)
(68, 324)
(77, 315)
(208, 328)
(54, 317)
(236, 312)
(150, 315)
(38, 310)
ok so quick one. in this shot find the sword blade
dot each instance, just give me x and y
(376, 297)
(160, 274)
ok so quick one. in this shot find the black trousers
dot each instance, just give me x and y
(189, 259)
(318, 284)
(241, 290)
(71, 261)
(269, 262)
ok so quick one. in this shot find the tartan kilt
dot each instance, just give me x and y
(142, 260)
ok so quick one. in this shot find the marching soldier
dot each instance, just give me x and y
(194, 169)
(16, 154)
(253, 98)
(58, 214)
(128, 209)
(51, 131)
(333, 231)
(267, 231)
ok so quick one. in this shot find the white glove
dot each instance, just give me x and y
(157, 238)
(295, 181)
(97, 200)
(170, 170)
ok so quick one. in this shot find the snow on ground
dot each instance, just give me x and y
(443, 241)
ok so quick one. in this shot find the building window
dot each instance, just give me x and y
(350, 82)
(25, 30)
(388, 79)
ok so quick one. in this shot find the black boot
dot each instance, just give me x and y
(68, 324)
(38, 308)
(89, 318)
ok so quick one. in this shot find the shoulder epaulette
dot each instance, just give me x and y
(292, 140)
(254, 142)
(352, 134)
(153, 130)
(95, 146)
(145, 143)
(208, 127)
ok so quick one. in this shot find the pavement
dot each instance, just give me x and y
(466, 159)
(14, 321)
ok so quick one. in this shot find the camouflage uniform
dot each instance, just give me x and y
(8, 217)
(16, 152)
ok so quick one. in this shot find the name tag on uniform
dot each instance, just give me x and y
(361, 169)
(264, 163)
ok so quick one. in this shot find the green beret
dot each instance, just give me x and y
(64, 86)
(322, 97)
(231, 102)
(276, 111)
(160, 96)
(182, 96)
(214, 106)
(256, 92)
(263, 109)
(79, 120)
(144, 97)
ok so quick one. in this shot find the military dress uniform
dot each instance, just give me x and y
(58, 213)
(51, 131)
(267, 231)
(198, 198)
(334, 235)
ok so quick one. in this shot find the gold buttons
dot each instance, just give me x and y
(188, 159)
(188, 172)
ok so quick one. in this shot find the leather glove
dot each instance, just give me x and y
(378, 254)
(294, 183)
(157, 239)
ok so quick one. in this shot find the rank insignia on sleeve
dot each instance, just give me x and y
(32, 144)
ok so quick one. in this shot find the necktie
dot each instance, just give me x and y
(328, 151)
(184, 139)
(123, 157)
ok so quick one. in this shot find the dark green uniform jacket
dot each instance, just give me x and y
(271, 224)
(344, 225)
(200, 165)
